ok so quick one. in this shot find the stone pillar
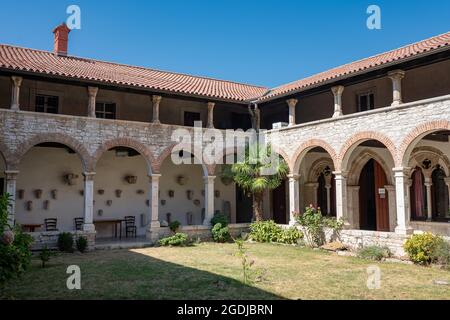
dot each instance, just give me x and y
(401, 186)
(447, 182)
(209, 199)
(11, 181)
(341, 195)
(258, 118)
(154, 200)
(15, 96)
(92, 92)
(337, 92)
(396, 76)
(294, 203)
(391, 203)
(156, 100)
(428, 184)
(89, 201)
(210, 123)
(352, 216)
(292, 103)
(328, 188)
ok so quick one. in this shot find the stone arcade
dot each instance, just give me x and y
(368, 142)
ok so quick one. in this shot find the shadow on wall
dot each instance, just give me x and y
(123, 274)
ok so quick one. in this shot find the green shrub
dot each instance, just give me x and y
(269, 231)
(220, 234)
(441, 254)
(265, 231)
(374, 253)
(65, 242)
(290, 236)
(82, 244)
(15, 246)
(421, 248)
(45, 255)
(220, 218)
(314, 223)
(174, 226)
(179, 239)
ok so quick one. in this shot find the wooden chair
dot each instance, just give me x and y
(79, 222)
(130, 226)
(50, 224)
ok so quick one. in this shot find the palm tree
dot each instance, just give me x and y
(250, 176)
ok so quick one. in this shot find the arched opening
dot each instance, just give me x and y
(440, 205)
(430, 180)
(2, 174)
(317, 180)
(373, 203)
(183, 194)
(121, 191)
(418, 196)
(48, 187)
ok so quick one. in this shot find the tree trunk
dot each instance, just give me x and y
(257, 206)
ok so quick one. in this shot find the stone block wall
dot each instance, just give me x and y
(50, 239)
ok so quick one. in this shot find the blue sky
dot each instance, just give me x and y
(262, 42)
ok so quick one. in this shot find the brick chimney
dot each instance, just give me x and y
(61, 33)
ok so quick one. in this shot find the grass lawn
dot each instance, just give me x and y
(212, 271)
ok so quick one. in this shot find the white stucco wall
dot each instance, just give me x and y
(44, 168)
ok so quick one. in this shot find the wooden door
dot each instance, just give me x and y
(279, 204)
(381, 200)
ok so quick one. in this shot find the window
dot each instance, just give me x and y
(47, 104)
(418, 196)
(190, 118)
(2, 185)
(105, 110)
(366, 101)
(439, 196)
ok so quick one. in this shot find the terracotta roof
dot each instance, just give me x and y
(335, 74)
(44, 62)
(48, 63)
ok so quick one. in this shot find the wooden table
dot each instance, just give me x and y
(114, 223)
(31, 227)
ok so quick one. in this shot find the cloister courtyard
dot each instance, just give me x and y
(213, 271)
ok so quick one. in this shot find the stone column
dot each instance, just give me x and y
(210, 123)
(341, 194)
(89, 201)
(92, 92)
(154, 200)
(292, 103)
(401, 186)
(328, 188)
(447, 182)
(156, 100)
(396, 76)
(428, 184)
(11, 181)
(209, 199)
(294, 203)
(15, 96)
(353, 206)
(391, 203)
(337, 92)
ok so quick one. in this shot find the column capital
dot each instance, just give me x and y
(401, 171)
(396, 74)
(292, 102)
(294, 177)
(92, 91)
(447, 181)
(340, 175)
(17, 81)
(88, 176)
(156, 99)
(389, 187)
(209, 179)
(337, 90)
(154, 177)
(11, 174)
(211, 104)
